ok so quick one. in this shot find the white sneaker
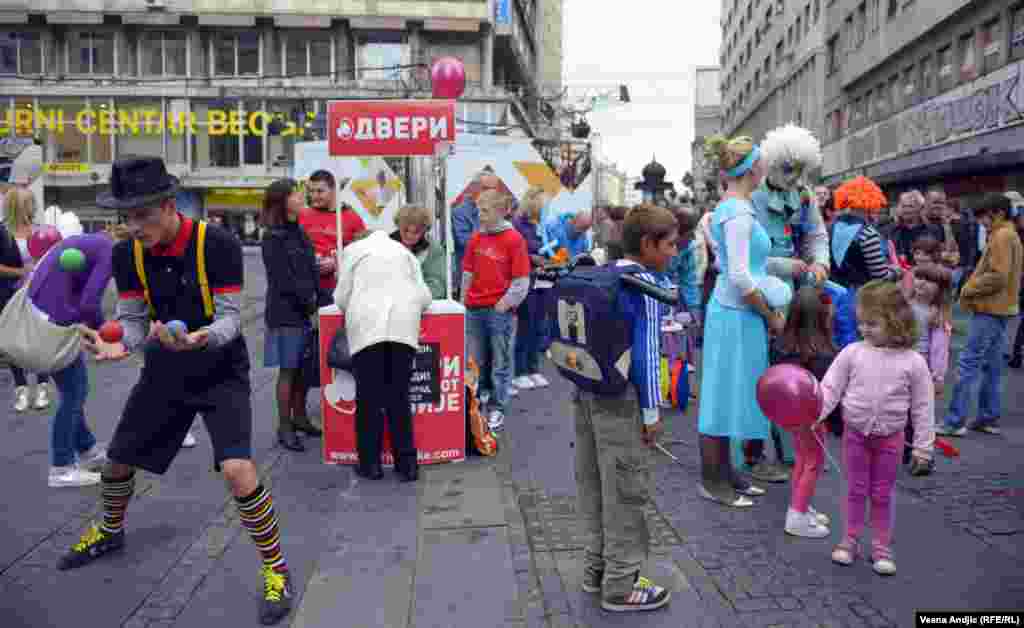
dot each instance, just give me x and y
(42, 401)
(94, 459)
(513, 391)
(190, 440)
(523, 382)
(820, 517)
(496, 421)
(539, 381)
(21, 399)
(884, 566)
(61, 477)
(805, 525)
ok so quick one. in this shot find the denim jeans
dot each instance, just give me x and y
(69, 433)
(983, 355)
(528, 330)
(490, 336)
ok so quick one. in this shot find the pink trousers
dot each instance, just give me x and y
(808, 460)
(872, 463)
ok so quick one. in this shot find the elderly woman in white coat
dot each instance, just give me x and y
(383, 296)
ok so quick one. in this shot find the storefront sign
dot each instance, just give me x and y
(396, 128)
(102, 121)
(234, 198)
(65, 168)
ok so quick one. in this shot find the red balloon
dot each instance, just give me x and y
(42, 239)
(448, 78)
(111, 331)
(790, 396)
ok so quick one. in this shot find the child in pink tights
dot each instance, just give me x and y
(880, 381)
(807, 342)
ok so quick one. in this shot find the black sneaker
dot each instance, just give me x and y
(277, 597)
(93, 543)
(1014, 362)
(645, 596)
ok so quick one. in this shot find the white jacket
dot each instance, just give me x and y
(381, 292)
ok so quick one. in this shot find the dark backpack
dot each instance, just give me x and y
(593, 339)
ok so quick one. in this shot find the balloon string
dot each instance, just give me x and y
(832, 460)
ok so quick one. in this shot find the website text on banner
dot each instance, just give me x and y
(393, 128)
(437, 391)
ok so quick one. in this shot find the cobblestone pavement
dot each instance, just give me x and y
(737, 568)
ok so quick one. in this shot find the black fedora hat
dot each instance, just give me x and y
(137, 182)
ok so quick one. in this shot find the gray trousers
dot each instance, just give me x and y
(612, 486)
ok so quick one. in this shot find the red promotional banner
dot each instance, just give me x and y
(389, 128)
(437, 391)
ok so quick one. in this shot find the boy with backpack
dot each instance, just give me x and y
(616, 404)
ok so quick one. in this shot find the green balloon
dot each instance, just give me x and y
(72, 261)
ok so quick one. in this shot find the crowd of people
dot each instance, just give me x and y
(867, 307)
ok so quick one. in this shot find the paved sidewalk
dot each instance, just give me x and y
(485, 542)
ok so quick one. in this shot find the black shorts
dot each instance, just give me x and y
(158, 414)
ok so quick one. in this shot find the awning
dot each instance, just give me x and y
(234, 199)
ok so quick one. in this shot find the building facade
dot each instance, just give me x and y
(551, 39)
(610, 184)
(707, 121)
(926, 94)
(772, 65)
(223, 90)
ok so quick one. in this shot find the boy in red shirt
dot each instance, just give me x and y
(320, 224)
(495, 280)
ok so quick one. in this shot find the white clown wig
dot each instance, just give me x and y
(791, 143)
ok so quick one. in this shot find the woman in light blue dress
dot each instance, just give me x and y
(738, 321)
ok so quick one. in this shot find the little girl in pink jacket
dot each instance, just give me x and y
(880, 381)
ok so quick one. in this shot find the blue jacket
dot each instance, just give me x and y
(465, 220)
(558, 228)
(682, 272)
(644, 313)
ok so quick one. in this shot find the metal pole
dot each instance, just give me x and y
(449, 235)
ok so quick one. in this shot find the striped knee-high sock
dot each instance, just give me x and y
(260, 520)
(116, 495)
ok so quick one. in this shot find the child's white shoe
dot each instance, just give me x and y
(883, 563)
(805, 525)
(820, 517)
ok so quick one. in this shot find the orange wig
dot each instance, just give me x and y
(860, 194)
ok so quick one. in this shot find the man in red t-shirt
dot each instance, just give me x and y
(320, 224)
(495, 280)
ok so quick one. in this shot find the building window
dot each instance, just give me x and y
(213, 145)
(1017, 28)
(236, 54)
(807, 19)
(945, 67)
(137, 131)
(308, 54)
(20, 53)
(967, 58)
(799, 29)
(894, 8)
(832, 60)
(927, 76)
(817, 10)
(849, 35)
(908, 97)
(90, 52)
(380, 54)
(862, 23)
(252, 143)
(882, 101)
(69, 131)
(991, 43)
(870, 106)
(162, 53)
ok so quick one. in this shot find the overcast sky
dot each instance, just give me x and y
(653, 47)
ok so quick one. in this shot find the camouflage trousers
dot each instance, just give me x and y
(613, 487)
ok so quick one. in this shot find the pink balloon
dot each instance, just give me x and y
(790, 396)
(448, 78)
(41, 240)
